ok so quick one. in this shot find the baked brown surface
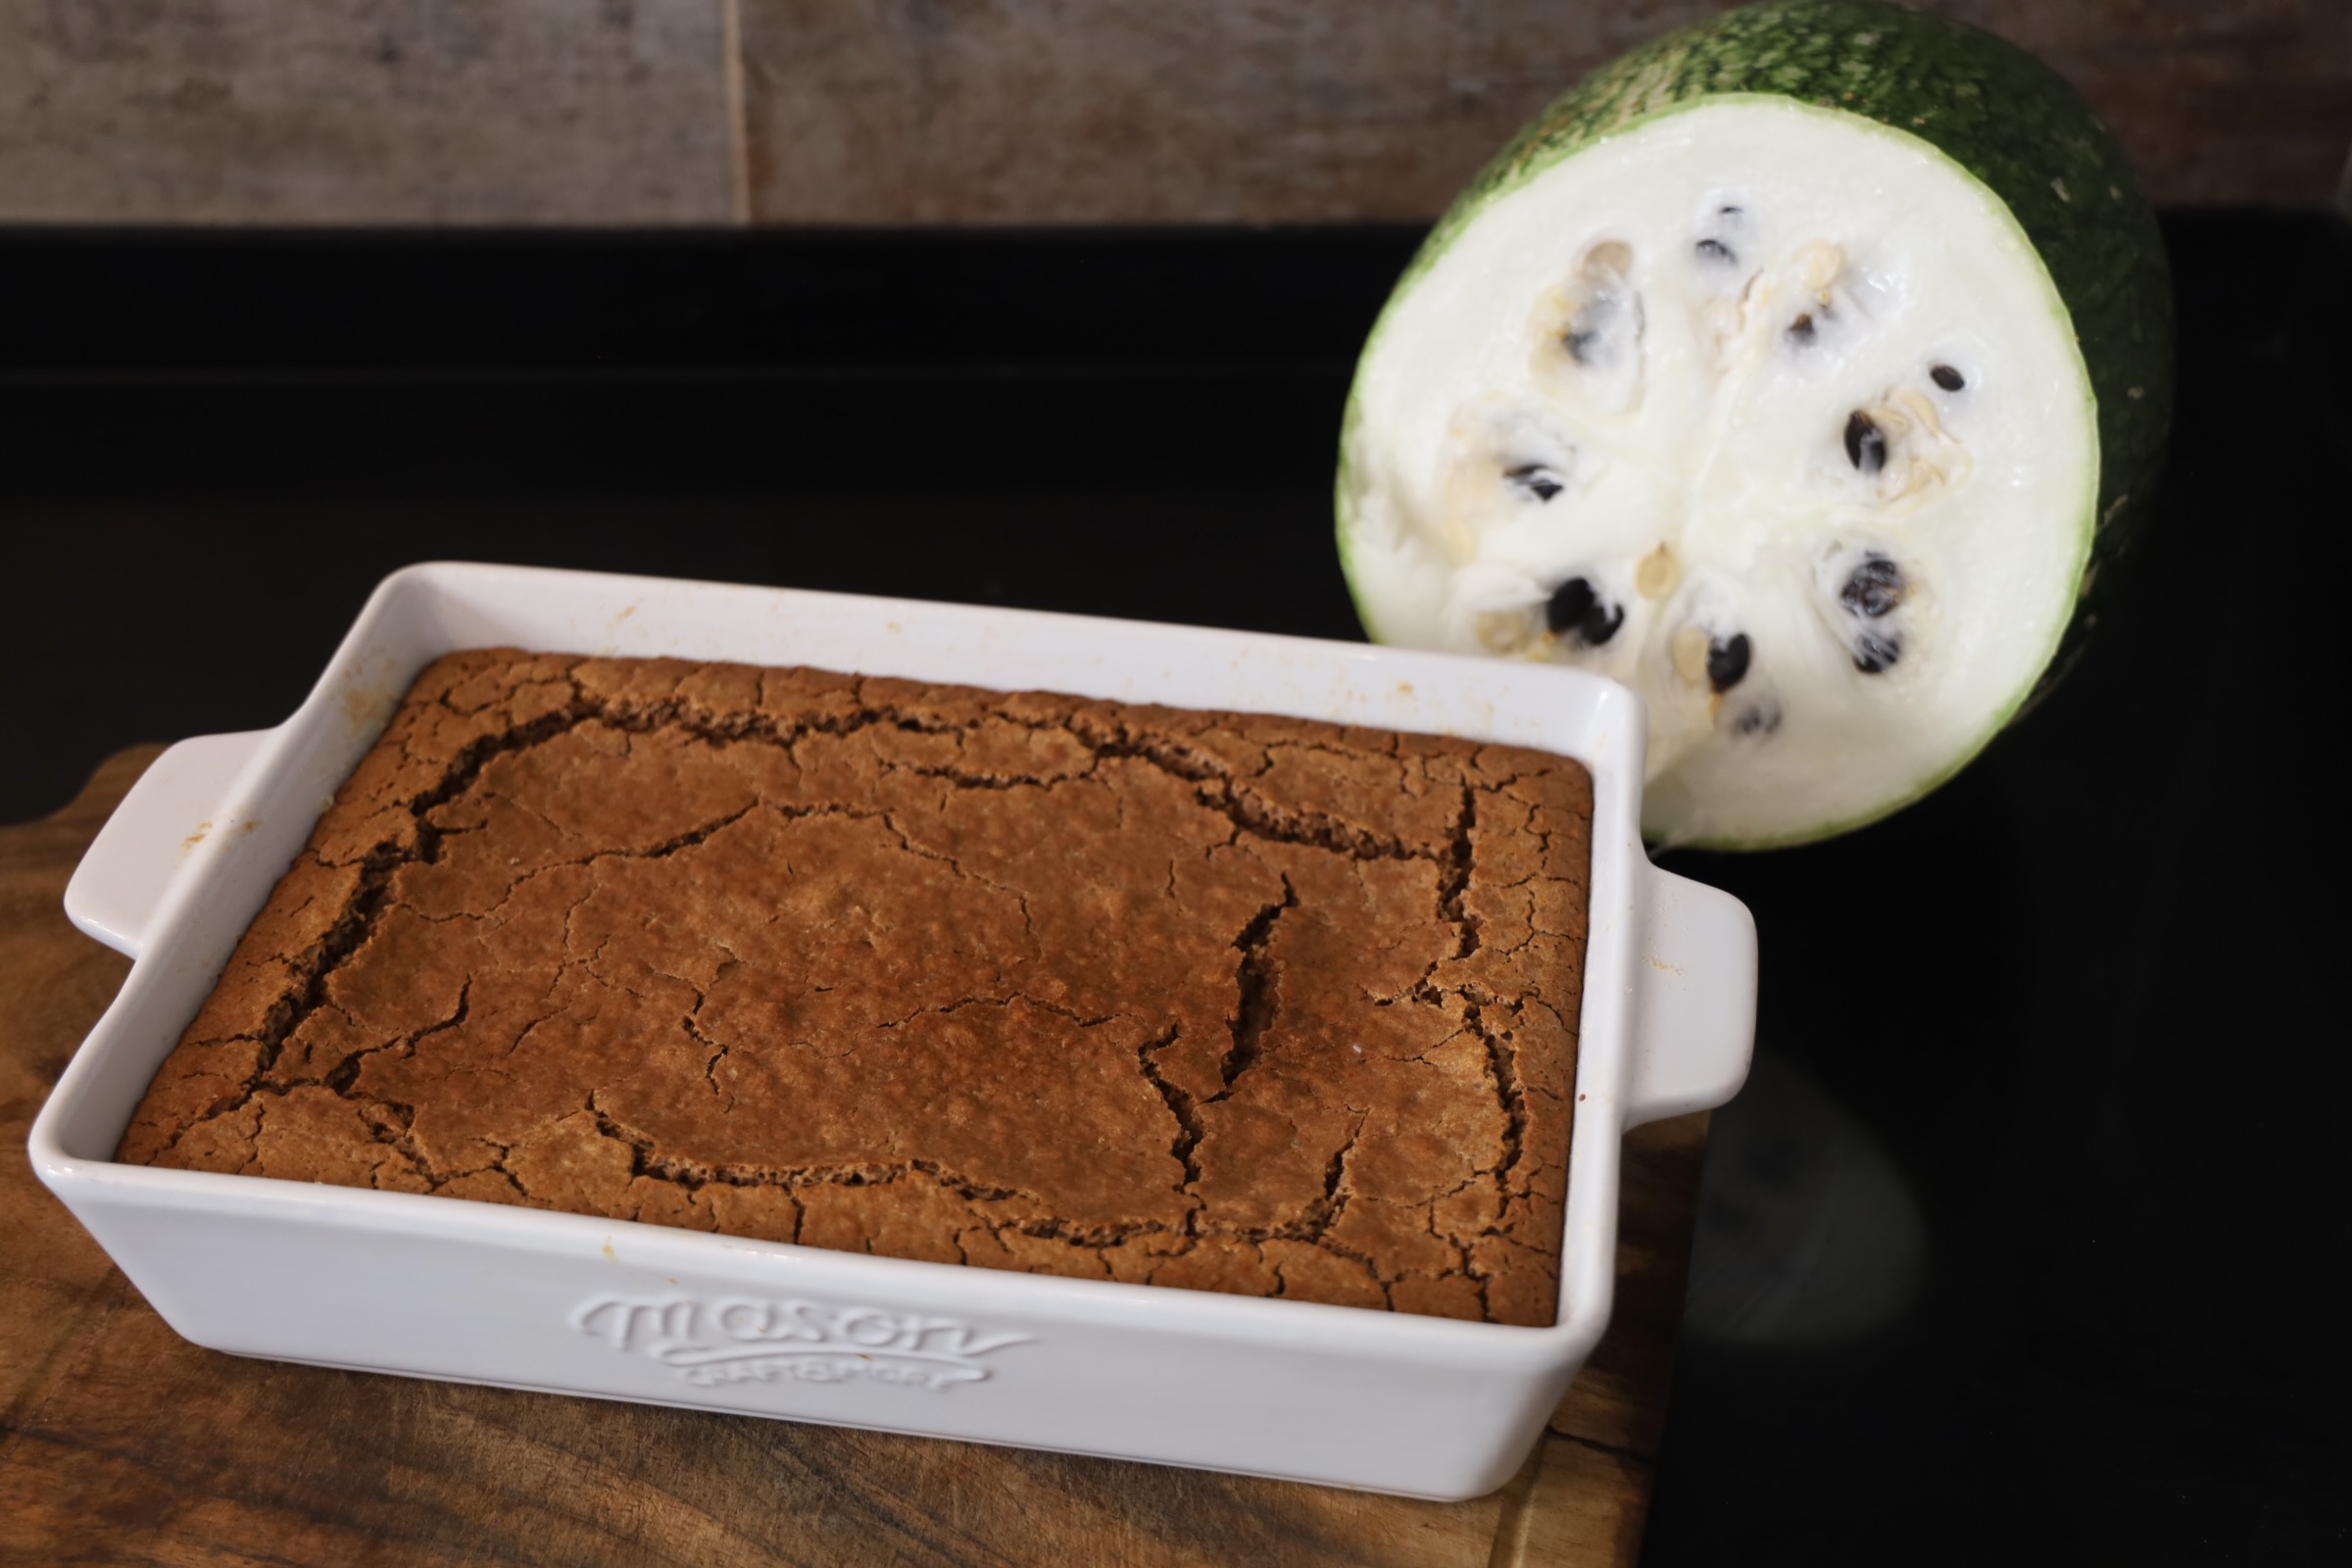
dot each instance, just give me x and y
(1203, 1000)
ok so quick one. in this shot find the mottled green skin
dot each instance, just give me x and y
(1986, 104)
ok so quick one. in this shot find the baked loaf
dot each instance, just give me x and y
(1213, 1000)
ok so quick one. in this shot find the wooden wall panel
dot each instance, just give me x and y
(364, 112)
(1210, 110)
(1147, 111)
(657, 112)
(2218, 100)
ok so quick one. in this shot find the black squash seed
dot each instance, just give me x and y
(1570, 602)
(1875, 589)
(1535, 479)
(1800, 330)
(1715, 250)
(1945, 377)
(1865, 443)
(1727, 662)
(1875, 653)
(1576, 608)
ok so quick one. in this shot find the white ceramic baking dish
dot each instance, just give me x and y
(436, 1287)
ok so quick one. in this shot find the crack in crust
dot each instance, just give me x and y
(1367, 1131)
(1254, 1008)
(1180, 1106)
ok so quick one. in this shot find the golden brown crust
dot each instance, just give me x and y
(1215, 1000)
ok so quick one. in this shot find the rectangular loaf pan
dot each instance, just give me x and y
(437, 1287)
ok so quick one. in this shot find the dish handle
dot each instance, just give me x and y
(1696, 1024)
(169, 815)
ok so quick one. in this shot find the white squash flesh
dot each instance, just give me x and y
(1750, 369)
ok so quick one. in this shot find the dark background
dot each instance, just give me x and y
(2027, 1239)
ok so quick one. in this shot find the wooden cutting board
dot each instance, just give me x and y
(122, 1442)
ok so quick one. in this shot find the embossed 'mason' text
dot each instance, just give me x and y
(746, 1339)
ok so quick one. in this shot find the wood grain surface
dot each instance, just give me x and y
(120, 1443)
(1135, 111)
(365, 112)
(663, 111)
